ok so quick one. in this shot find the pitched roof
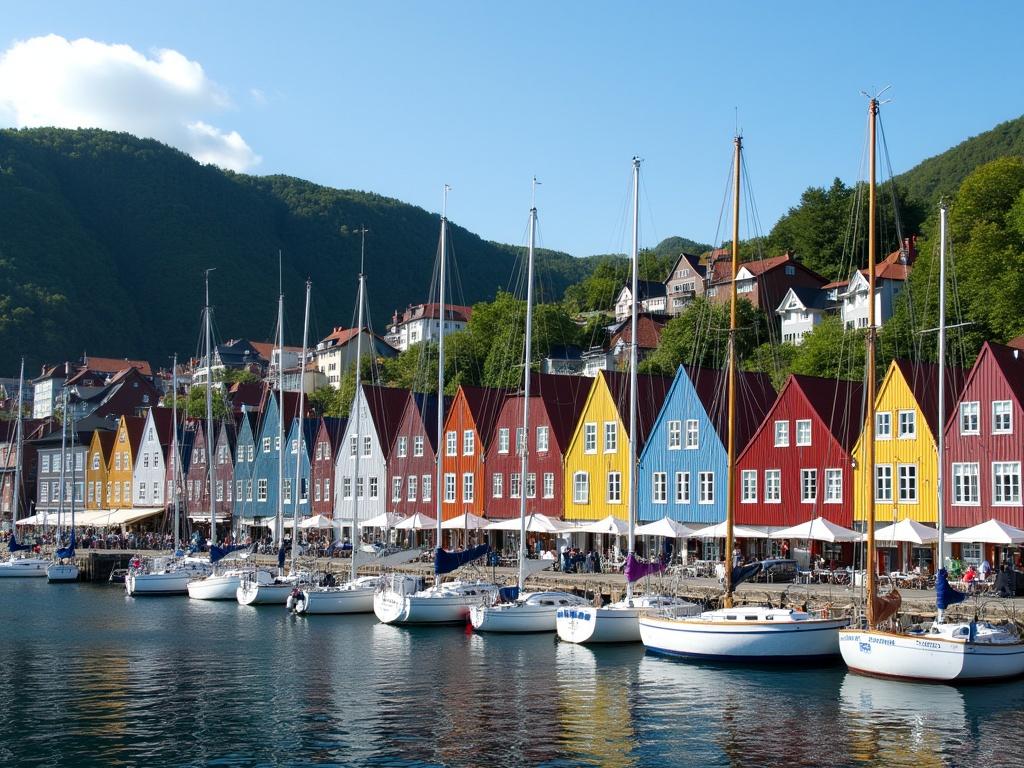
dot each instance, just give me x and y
(754, 397)
(334, 427)
(646, 289)
(484, 404)
(426, 405)
(386, 405)
(923, 380)
(837, 402)
(651, 392)
(648, 331)
(113, 364)
(693, 262)
(721, 269)
(265, 349)
(134, 425)
(564, 398)
(163, 420)
(455, 312)
(1010, 363)
(106, 441)
(810, 298)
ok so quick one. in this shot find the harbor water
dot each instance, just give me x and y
(89, 676)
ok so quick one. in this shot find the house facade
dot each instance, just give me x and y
(150, 472)
(101, 447)
(266, 474)
(245, 461)
(328, 438)
(298, 466)
(422, 322)
(468, 429)
(73, 460)
(651, 295)
(686, 282)
(121, 466)
(336, 352)
(801, 311)
(413, 456)
(762, 282)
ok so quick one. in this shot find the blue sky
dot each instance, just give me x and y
(399, 98)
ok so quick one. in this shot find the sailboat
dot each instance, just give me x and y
(947, 651)
(747, 633)
(534, 611)
(398, 601)
(254, 588)
(20, 567)
(618, 622)
(63, 569)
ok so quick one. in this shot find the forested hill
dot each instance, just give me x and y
(104, 238)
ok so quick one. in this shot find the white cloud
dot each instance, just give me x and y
(51, 81)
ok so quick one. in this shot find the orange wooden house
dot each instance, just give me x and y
(469, 427)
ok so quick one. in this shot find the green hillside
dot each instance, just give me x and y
(104, 238)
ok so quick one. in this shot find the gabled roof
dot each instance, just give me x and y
(1009, 361)
(385, 405)
(754, 398)
(693, 262)
(651, 392)
(114, 365)
(266, 349)
(837, 402)
(923, 380)
(106, 440)
(134, 426)
(82, 436)
(163, 420)
(563, 398)
(426, 405)
(809, 298)
(453, 312)
(648, 331)
(721, 270)
(245, 393)
(186, 442)
(484, 404)
(334, 428)
(646, 289)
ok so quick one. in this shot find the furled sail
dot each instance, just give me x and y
(945, 595)
(219, 553)
(886, 606)
(14, 546)
(446, 562)
(743, 573)
(636, 568)
(67, 552)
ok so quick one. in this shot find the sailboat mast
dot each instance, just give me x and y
(354, 482)
(15, 493)
(631, 477)
(74, 475)
(940, 474)
(871, 576)
(527, 362)
(279, 521)
(175, 452)
(301, 436)
(439, 490)
(730, 480)
(63, 460)
(209, 416)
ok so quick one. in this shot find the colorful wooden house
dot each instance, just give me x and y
(266, 473)
(468, 429)
(906, 424)
(328, 438)
(413, 456)
(985, 443)
(96, 487)
(596, 469)
(798, 464)
(245, 460)
(374, 421)
(683, 464)
(121, 464)
(149, 476)
(177, 468)
(556, 403)
(302, 436)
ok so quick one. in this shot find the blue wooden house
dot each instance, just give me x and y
(265, 470)
(299, 450)
(245, 460)
(682, 472)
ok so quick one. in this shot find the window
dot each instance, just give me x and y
(692, 434)
(451, 443)
(706, 487)
(117, 461)
(497, 485)
(449, 488)
(353, 446)
(549, 485)
(883, 425)
(145, 460)
(659, 487)
(367, 445)
(531, 485)
(220, 490)
(249, 452)
(520, 441)
(127, 491)
(808, 486)
(969, 418)
(966, 485)
(503, 440)
(80, 458)
(748, 486)
(261, 489)
(45, 463)
(266, 445)
(773, 486)
(467, 442)
(346, 487)
(117, 492)
(426, 487)
(970, 553)
(614, 487)
(883, 482)
(44, 493)
(1005, 483)
(238, 490)
(95, 461)
(303, 490)
(286, 489)
(542, 439)
(417, 445)
(467, 487)
(590, 437)
(833, 486)
(611, 437)
(319, 451)
(803, 431)
(907, 483)
(514, 485)
(359, 487)
(1002, 417)
(675, 437)
(781, 434)
(327, 489)
(248, 491)
(907, 425)
(396, 488)
(580, 488)
(402, 446)
(277, 443)
(411, 484)
(682, 487)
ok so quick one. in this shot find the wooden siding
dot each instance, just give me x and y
(418, 421)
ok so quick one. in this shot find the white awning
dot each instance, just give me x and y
(464, 521)
(990, 532)
(906, 530)
(609, 525)
(666, 527)
(383, 520)
(416, 522)
(535, 523)
(818, 529)
(717, 531)
(43, 518)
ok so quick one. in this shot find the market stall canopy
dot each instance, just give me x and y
(467, 520)
(317, 521)
(416, 522)
(818, 529)
(44, 518)
(717, 531)
(107, 518)
(610, 525)
(905, 530)
(535, 523)
(383, 520)
(666, 527)
(990, 532)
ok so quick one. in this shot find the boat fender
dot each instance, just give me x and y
(826, 612)
(290, 603)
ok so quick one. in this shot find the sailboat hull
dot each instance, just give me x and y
(224, 586)
(251, 593)
(448, 604)
(22, 568)
(157, 584)
(62, 572)
(926, 657)
(534, 612)
(335, 600)
(598, 625)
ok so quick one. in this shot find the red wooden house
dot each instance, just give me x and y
(763, 282)
(468, 430)
(328, 437)
(197, 483)
(797, 465)
(413, 456)
(985, 442)
(556, 403)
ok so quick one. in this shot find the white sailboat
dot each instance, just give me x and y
(63, 569)
(947, 651)
(743, 634)
(533, 611)
(443, 603)
(20, 567)
(618, 622)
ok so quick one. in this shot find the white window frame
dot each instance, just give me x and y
(781, 433)
(911, 420)
(468, 442)
(396, 487)
(449, 488)
(611, 437)
(613, 487)
(549, 485)
(808, 485)
(417, 446)
(659, 487)
(590, 437)
(674, 434)
(966, 483)
(497, 485)
(692, 434)
(802, 425)
(1010, 469)
(970, 417)
(833, 485)
(883, 425)
(580, 487)
(402, 447)
(883, 481)
(706, 488)
(1005, 414)
(503, 438)
(910, 473)
(773, 486)
(748, 486)
(682, 487)
(411, 487)
(543, 439)
(451, 443)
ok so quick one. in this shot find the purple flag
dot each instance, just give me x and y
(636, 569)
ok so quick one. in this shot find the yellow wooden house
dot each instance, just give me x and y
(96, 468)
(596, 464)
(906, 450)
(120, 465)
